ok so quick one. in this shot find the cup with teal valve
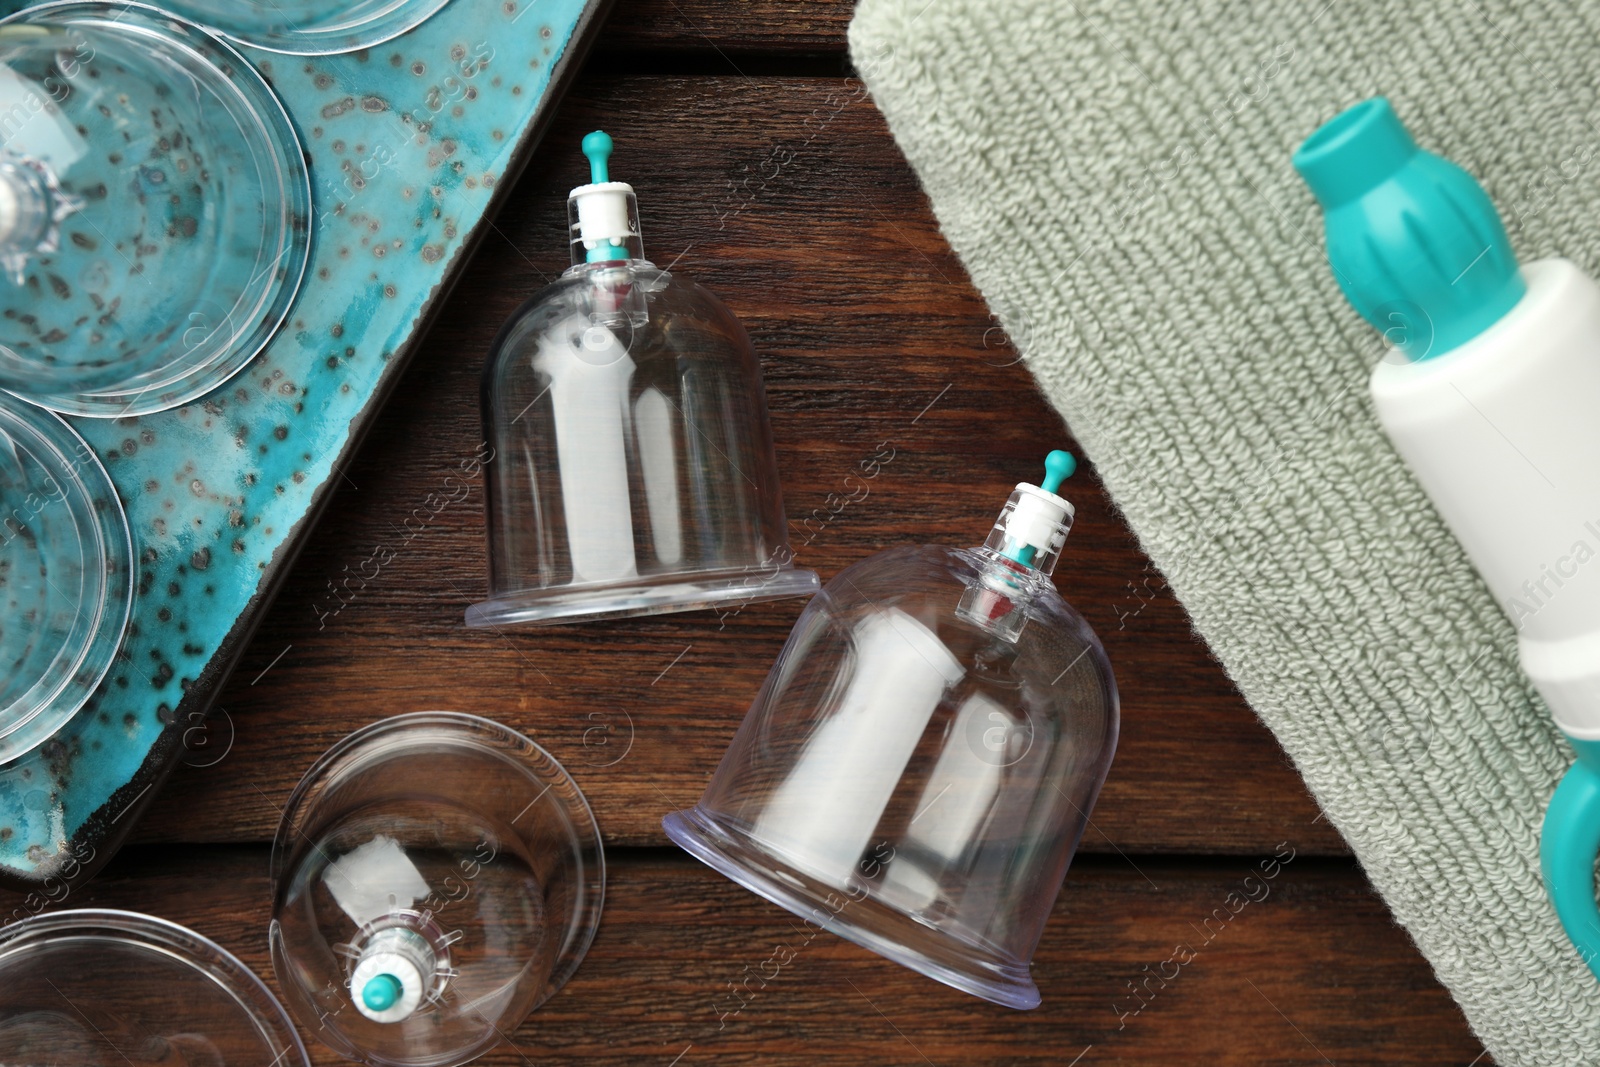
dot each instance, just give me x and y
(436, 877)
(631, 468)
(154, 200)
(919, 767)
(1493, 381)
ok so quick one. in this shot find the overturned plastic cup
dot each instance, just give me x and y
(436, 877)
(100, 988)
(66, 575)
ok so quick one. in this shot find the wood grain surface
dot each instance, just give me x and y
(869, 332)
(783, 192)
(762, 29)
(1308, 973)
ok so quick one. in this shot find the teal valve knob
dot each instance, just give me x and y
(1415, 243)
(597, 146)
(607, 215)
(1568, 844)
(1040, 513)
(1058, 467)
(381, 992)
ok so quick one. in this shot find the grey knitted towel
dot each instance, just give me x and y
(1116, 178)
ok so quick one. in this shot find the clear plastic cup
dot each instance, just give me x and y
(154, 209)
(918, 769)
(630, 465)
(632, 468)
(66, 575)
(97, 988)
(436, 878)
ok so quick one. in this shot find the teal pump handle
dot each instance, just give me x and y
(597, 148)
(1567, 849)
(1414, 241)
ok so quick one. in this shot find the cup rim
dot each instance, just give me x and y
(178, 943)
(472, 728)
(982, 971)
(107, 536)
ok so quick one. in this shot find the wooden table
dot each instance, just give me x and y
(765, 173)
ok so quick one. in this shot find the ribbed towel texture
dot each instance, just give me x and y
(1116, 177)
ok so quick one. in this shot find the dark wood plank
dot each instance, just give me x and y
(1313, 972)
(729, 27)
(787, 197)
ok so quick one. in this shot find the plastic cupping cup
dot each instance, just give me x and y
(633, 469)
(436, 878)
(96, 988)
(113, 186)
(918, 769)
(66, 575)
(309, 27)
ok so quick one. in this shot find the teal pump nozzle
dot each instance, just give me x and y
(1419, 249)
(597, 147)
(603, 214)
(1415, 242)
(1058, 467)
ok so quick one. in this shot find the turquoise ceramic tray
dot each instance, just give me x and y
(410, 144)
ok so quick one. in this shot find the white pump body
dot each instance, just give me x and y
(1489, 430)
(605, 213)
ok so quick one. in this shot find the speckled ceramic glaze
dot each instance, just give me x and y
(407, 142)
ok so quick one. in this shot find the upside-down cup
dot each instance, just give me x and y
(119, 989)
(155, 209)
(66, 575)
(436, 878)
